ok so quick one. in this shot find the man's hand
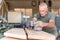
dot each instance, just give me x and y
(38, 23)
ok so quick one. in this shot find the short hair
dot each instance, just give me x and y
(43, 5)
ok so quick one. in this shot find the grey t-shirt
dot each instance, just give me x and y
(48, 16)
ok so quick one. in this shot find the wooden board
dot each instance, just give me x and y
(32, 35)
(16, 33)
(8, 38)
(39, 35)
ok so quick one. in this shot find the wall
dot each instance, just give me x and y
(28, 4)
(21, 4)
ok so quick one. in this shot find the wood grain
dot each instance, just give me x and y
(39, 35)
(16, 33)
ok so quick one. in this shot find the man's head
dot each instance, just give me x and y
(43, 9)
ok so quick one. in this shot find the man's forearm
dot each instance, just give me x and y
(48, 25)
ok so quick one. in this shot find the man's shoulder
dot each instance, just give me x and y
(51, 14)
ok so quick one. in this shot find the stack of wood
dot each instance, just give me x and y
(27, 34)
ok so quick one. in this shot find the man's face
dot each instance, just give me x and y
(43, 11)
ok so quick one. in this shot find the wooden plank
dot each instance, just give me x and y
(16, 33)
(8, 38)
(32, 35)
(39, 35)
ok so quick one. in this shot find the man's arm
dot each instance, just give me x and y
(43, 24)
(51, 24)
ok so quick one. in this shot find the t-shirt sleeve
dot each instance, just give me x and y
(52, 17)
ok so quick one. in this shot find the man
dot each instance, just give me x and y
(46, 19)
